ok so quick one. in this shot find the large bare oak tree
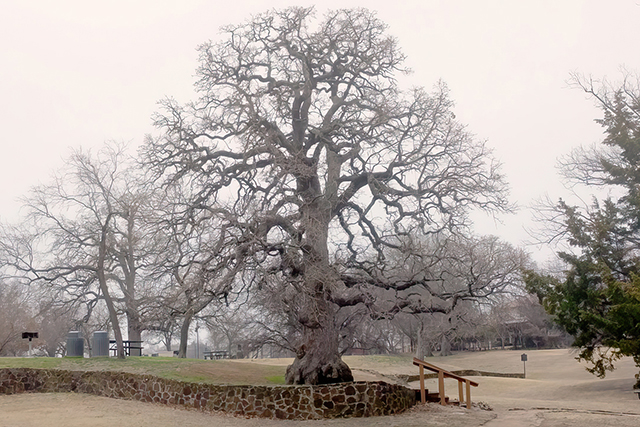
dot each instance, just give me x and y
(302, 139)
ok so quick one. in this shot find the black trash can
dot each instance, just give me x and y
(75, 344)
(100, 344)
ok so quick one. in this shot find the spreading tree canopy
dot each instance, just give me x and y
(302, 141)
(597, 299)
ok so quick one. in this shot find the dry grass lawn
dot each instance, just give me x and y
(557, 392)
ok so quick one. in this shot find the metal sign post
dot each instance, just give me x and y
(197, 341)
(30, 336)
(523, 357)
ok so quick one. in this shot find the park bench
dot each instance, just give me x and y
(637, 392)
(442, 374)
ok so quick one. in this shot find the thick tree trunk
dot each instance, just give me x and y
(318, 359)
(445, 346)
(184, 334)
(423, 347)
(128, 265)
(134, 325)
(229, 344)
(420, 353)
(134, 333)
(102, 281)
(115, 324)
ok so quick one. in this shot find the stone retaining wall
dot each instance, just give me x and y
(358, 399)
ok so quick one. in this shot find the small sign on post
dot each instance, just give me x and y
(523, 357)
(30, 336)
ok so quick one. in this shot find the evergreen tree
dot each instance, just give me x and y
(597, 299)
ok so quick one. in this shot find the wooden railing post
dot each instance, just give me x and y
(468, 394)
(443, 400)
(423, 396)
(460, 393)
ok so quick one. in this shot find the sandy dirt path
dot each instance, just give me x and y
(557, 392)
(78, 410)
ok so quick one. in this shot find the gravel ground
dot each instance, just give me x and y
(557, 392)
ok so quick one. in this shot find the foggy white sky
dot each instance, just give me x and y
(77, 73)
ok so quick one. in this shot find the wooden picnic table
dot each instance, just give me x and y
(128, 346)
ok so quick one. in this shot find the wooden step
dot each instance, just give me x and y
(435, 397)
(430, 397)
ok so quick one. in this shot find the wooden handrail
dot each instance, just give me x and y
(442, 374)
(436, 369)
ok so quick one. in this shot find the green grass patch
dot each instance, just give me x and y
(39, 362)
(191, 370)
(276, 379)
(235, 372)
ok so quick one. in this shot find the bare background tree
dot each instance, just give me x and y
(85, 239)
(197, 265)
(16, 315)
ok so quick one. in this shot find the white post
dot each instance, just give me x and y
(197, 341)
